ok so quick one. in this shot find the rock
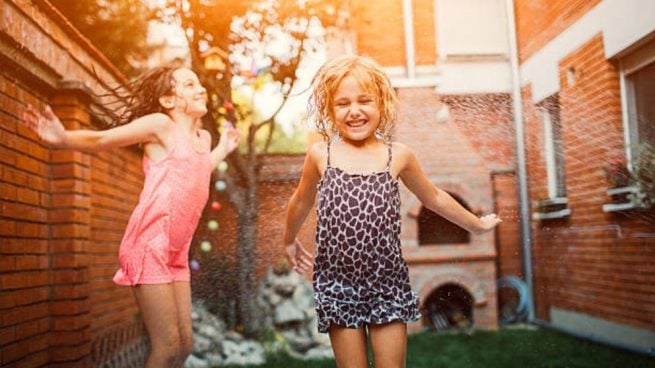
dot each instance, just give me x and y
(303, 297)
(284, 285)
(214, 359)
(233, 336)
(299, 341)
(210, 332)
(287, 312)
(243, 353)
(194, 362)
(319, 352)
(201, 344)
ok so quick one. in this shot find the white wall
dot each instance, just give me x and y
(622, 23)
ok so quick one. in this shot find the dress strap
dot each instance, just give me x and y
(328, 151)
(390, 157)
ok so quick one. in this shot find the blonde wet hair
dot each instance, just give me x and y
(372, 79)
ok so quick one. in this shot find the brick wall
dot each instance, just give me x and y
(582, 263)
(378, 28)
(539, 21)
(458, 154)
(62, 213)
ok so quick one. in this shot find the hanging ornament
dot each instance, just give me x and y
(220, 185)
(195, 265)
(212, 225)
(228, 105)
(216, 206)
(222, 111)
(222, 166)
(205, 246)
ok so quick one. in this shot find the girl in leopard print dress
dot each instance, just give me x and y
(361, 282)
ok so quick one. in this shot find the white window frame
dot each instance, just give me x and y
(549, 152)
(550, 155)
(628, 66)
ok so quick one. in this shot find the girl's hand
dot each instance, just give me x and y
(47, 125)
(299, 257)
(229, 140)
(489, 222)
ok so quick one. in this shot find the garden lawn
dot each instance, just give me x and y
(505, 348)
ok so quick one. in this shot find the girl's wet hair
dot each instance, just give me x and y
(369, 75)
(140, 96)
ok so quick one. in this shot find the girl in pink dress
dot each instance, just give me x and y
(164, 116)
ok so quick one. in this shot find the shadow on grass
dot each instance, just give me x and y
(506, 348)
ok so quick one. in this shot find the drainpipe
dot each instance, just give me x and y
(526, 238)
(408, 22)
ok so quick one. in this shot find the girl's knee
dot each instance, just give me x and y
(186, 347)
(166, 344)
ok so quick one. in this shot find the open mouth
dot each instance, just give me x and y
(356, 123)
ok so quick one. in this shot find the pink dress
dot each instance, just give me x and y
(155, 247)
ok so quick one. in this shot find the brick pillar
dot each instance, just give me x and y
(70, 344)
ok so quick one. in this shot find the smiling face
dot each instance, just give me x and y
(190, 96)
(355, 111)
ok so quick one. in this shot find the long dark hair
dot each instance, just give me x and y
(140, 96)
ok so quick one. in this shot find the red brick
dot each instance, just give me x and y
(7, 335)
(21, 211)
(20, 297)
(24, 313)
(70, 200)
(28, 196)
(71, 323)
(69, 231)
(69, 276)
(60, 292)
(22, 245)
(69, 307)
(32, 230)
(23, 279)
(32, 328)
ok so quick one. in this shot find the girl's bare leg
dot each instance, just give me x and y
(183, 301)
(349, 346)
(389, 344)
(159, 311)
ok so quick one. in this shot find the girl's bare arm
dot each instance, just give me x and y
(146, 129)
(436, 199)
(302, 200)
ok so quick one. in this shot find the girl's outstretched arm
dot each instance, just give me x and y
(228, 142)
(48, 127)
(436, 199)
(300, 204)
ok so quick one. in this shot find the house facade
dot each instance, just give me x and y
(587, 75)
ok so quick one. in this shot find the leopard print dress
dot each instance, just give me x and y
(360, 276)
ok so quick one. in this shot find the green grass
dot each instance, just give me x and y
(506, 348)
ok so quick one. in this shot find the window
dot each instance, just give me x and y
(553, 147)
(638, 71)
(434, 229)
(556, 205)
(637, 96)
(641, 107)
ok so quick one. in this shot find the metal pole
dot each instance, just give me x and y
(524, 204)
